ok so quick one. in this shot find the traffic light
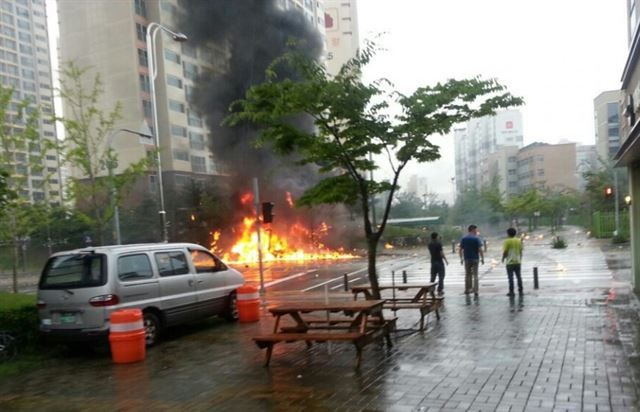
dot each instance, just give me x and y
(267, 212)
(608, 192)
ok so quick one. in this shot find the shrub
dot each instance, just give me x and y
(619, 239)
(558, 243)
(19, 317)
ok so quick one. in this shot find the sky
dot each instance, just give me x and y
(557, 54)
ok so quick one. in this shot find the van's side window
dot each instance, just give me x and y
(134, 267)
(171, 263)
(206, 262)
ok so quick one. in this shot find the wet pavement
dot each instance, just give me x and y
(571, 345)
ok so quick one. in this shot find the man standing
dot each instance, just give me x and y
(438, 260)
(512, 253)
(470, 253)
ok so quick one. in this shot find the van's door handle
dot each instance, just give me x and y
(200, 281)
(191, 282)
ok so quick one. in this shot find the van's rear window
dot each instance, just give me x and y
(74, 271)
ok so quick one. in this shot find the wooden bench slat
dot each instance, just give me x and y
(284, 337)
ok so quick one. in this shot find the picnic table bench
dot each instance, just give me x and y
(366, 324)
(424, 299)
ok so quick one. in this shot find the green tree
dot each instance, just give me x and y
(88, 128)
(22, 152)
(407, 205)
(353, 121)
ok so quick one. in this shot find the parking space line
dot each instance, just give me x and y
(297, 275)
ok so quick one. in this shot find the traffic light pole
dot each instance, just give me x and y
(256, 202)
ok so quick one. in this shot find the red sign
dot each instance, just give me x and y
(509, 125)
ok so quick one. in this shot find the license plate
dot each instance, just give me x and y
(67, 318)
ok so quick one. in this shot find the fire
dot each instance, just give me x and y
(289, 199)
(388, 246)
(299, 243)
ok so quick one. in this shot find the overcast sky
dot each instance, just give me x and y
(557, 54)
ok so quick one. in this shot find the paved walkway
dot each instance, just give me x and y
(568, 347)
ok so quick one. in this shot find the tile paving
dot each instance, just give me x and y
(552, 350)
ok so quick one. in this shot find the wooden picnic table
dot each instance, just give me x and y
(424, 299)
(364, 324)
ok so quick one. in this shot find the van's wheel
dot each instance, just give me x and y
(232, 308)
(152, 328)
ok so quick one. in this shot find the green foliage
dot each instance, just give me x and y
(88, 129)
(558, 243)
(354, 121)
(19, 316)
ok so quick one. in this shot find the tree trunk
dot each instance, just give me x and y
(372, 245)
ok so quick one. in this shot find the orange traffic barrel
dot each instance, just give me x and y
(248, 303)
(126, 335)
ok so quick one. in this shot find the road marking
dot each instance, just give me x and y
(354, 272)
(339, 286)
(297, 275)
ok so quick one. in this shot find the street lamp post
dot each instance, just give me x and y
(111, 165)
(152, 29)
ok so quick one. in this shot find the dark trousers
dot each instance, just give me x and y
(437, 269)
(511, 271)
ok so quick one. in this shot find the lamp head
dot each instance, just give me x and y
(180, 37)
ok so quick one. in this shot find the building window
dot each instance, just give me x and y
(141, 32)
(25, 37)
(22, 12)
(23, 25)
(142, 58)
(181, 155)
(176, 106)
(146, 108)
(612, 113)
(26, 49)
(179, 131)
(193, 119)
(188, 92)
(174, 81)
(190, 71)
(196, 141)
(198, 164)
(144, 83)
(613, 132)
(141, 8)
(153, 183)
(172, 56)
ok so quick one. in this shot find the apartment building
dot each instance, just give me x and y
(343, 39)
(25, 67)
(606, 108)
(542, 165)
(110, 37)
(478, 140)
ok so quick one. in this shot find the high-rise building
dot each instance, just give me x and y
(110, 38)
(542, 165)
(343, 39)
(606, 108)
(25, 67)
(478, 140)
(501, 169)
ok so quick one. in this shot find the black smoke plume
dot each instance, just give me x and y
(255, 32)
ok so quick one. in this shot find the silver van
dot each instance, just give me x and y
(171, 283)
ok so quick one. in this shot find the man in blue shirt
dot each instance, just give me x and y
(470, 254)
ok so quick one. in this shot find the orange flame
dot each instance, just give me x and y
(246, 198)
(300, 243)
(388, 246)
(289, 199)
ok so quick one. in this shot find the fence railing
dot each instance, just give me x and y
(603, 224)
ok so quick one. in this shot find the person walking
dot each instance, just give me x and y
(438, 260)
(470, 254)
(512, 253)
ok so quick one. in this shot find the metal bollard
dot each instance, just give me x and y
(453, 246)
(404, 276)
(485, 245)
(535, 278)
(346, 283)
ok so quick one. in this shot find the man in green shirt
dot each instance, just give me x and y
(512, 253)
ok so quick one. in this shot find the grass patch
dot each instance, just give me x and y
(12, 301)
